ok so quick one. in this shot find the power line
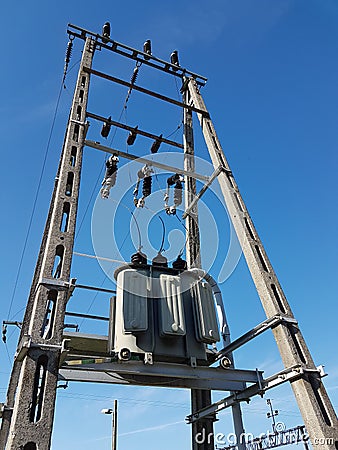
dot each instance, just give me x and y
(35, 200)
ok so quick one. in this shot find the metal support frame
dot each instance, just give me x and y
(314, 404)
(145, 160)
(161, 374)
(32, 389)
(134, 54)
(290, 374)
(133, 129)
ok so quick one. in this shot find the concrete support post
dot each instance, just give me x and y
(314, 404)
(202, 431)
(32, 388)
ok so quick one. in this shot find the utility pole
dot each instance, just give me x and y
(28, 417)
(203, 430)
(314, 404)
(272, 414)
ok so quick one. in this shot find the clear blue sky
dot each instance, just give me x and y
(272, 91)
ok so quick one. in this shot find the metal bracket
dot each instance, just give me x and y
(71, 288)
(256, 331)
(64, 351)
(193, 361)
(3, 409)
(78, 122)
(26, 344)
(24, 347)
(148, 358)
(52, 282)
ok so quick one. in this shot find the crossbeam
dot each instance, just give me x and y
(133, 129)
(136, 55)
(143, 160)
(145, 91)
(162, 374)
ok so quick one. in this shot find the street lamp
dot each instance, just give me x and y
(113, 413)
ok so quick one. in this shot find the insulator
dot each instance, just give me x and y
(156, 144)
(69, 52)
(147, 48)
(111, 165)
(106, 128)
(160, 261)
(134, 76)
(68, 55)
(146, 187)
(139, 258)
(178, 193)
(132, 136)
(106, 32)
(174, 59)
(4, 333)
(180, 263)
(173, 179)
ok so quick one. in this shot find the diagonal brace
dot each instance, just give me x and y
(256, 331)
(202, 191)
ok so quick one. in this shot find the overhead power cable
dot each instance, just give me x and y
(35, 199)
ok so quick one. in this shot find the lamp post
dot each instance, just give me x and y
(113, 412)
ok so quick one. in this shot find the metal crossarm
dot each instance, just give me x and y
(137, 55)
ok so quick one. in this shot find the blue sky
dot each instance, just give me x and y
(272, 92)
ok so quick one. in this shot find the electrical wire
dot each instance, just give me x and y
(163, 227)
(123, 110)
(163, 235)
(8, 355)
(106, 275)
(136, 223)
(35, 199)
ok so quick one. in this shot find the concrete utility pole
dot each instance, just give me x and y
(199, 398)
(314, 404)
(28, 417)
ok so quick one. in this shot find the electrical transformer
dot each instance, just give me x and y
(162, 314)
